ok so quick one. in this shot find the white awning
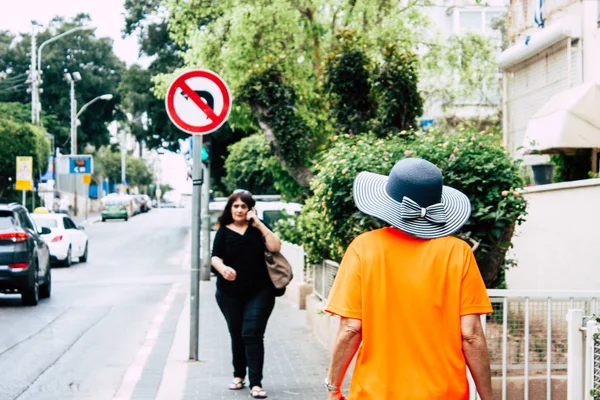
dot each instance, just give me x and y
(569, 120)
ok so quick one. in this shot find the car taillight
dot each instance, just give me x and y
(14, 236)
(18, 266)
(57, 238)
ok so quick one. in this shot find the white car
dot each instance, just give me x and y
(67, 241)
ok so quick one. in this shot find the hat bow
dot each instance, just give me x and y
(409, 209)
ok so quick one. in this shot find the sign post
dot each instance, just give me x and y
(198, 102)
(24, 175)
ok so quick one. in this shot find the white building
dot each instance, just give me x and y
(555, 48)
(457, 17)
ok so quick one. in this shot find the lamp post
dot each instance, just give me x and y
(36, 70)
(72, 78)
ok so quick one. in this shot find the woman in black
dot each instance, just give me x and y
(245, 293)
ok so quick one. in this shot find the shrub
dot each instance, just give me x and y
(473, 162)
(252, 166)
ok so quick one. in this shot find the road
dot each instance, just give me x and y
(91, 339)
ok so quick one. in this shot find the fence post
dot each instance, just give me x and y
(589, 359)
(575, 381)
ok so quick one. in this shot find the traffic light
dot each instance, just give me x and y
(206, 148)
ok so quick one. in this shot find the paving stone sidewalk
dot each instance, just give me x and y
(295, 363)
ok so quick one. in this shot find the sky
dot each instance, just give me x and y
(107, 16)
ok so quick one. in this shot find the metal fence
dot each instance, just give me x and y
(323, 276)
(527, 334)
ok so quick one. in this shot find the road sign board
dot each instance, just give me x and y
(24, 173)
(198, 101)
(87, 179)
(81, 164)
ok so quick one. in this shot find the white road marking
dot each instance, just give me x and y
(134, 372)
(172, 385)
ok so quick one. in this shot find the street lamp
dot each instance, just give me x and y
(36, 72)
(72, 79)
(106, 97)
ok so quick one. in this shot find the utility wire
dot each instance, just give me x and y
(13, 88)
(7, 85)
(14, 78)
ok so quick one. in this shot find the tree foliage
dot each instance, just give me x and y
(252, 166)
(273, 54)
(472, 162)
(149, 21)
(81, 52)
(107, 164)
(19, 139)
(463, 72)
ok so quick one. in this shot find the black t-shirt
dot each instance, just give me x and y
(246, 255)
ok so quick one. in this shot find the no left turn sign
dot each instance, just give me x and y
(198, 101)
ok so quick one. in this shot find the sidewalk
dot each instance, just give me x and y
(295, 363)
(91, 219)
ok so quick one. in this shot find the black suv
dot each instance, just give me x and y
(24, 256)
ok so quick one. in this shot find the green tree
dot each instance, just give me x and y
(81, 52)
(107, 164)
(20, 139)
(138, 173)
(463, 71)
(252, 166)
(247, 41)
(149, 21)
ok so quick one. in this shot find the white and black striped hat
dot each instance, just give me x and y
(413, 198)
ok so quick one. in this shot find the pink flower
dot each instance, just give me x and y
(407, 153)
(452, 156)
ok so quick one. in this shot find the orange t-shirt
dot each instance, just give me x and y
(410, 294)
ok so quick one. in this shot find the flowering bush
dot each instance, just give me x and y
(472, 162)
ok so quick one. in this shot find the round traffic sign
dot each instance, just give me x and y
(198, 101)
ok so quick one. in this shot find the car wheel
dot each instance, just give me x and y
(46, 288)
(31, 295)
(126, 218)
(103, 219)
(84, 257)
(68, 259)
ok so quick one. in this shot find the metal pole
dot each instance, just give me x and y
(74, 142)
(24, 199)
(205, 248)
(195, 267)
(123, 160)
(33, 76)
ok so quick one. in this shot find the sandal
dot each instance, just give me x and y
(236, 385)
(258, 393)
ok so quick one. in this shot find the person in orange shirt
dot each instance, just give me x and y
(410, 295)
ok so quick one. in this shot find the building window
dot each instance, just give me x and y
(470, 21)
(477, 20)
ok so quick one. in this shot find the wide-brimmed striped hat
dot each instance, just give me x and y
(413, 198)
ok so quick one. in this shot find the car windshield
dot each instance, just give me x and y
(113, 202)
(7, 220)
(45, 222)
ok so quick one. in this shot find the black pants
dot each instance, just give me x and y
(247, 320)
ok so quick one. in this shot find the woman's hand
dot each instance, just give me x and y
(251, 216)
(229, 273)
(335, 395)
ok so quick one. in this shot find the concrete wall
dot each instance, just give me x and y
(298, 289)
(556, 248)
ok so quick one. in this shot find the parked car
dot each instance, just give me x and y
(66, 240)
(24, 255)
(117, 207)
(144, 202)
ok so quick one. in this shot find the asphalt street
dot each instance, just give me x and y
(90, 339)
